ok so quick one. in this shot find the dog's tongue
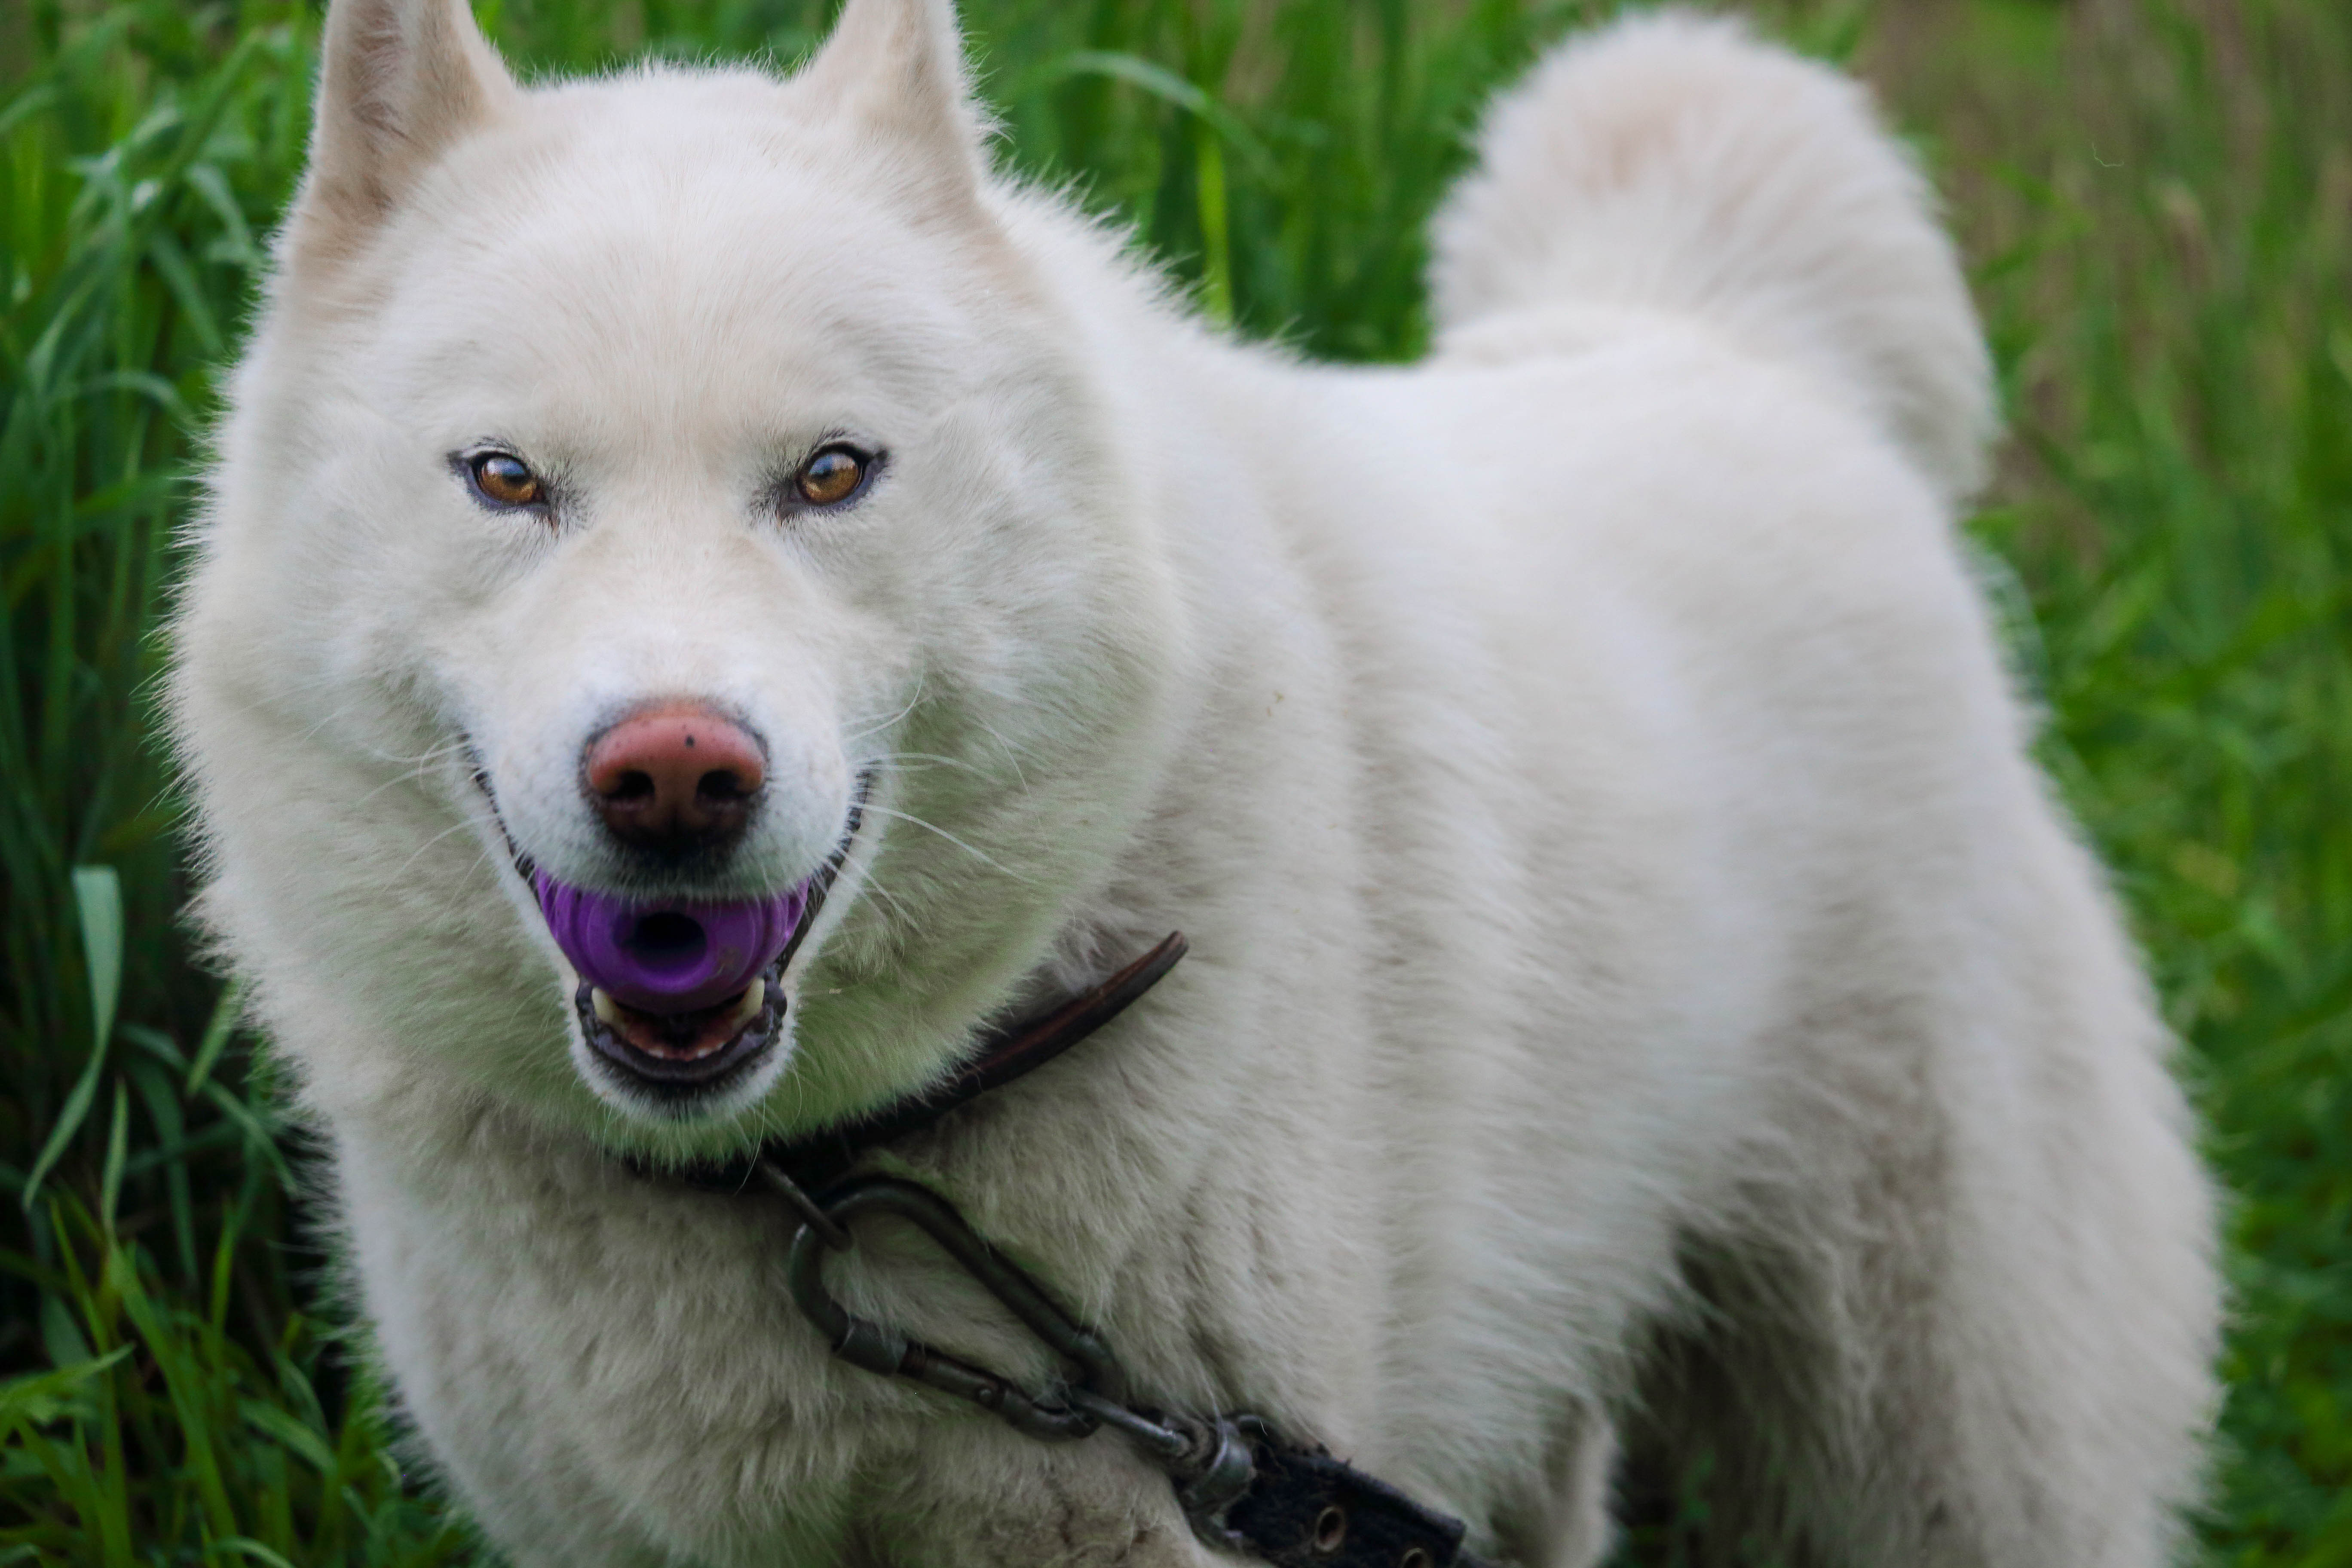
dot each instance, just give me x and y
(668, 957)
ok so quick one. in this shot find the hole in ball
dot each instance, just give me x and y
(666, 941)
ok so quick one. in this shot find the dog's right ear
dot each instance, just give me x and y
(400, 81)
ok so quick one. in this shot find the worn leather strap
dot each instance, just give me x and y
(817, 1158)
(1307, 1510)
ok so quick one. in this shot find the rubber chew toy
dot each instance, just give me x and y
(667, 957)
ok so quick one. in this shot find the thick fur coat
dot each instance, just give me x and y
(1643, 999)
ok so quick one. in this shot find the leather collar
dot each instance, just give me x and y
(817, 1158)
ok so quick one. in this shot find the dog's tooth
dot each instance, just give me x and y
(755, 997)
(608, 1011)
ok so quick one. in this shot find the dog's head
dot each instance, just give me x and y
(679, 503)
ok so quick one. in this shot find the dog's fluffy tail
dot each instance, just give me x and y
(1672, 162)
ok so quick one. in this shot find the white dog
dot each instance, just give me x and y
(1642, 1000)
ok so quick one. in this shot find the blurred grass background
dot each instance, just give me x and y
(2156, 201)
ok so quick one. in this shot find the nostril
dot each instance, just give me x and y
(630, 785)
(722, 784)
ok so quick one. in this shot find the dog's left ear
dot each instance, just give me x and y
(893, 71)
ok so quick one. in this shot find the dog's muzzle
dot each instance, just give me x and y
(677, 992)
(680, 993)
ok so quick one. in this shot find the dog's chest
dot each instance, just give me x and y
(560, 1327)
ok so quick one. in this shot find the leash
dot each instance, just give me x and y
(1240, 1485)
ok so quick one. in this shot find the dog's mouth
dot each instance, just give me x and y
(682, 994)
(678, 993)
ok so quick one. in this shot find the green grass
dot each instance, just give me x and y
(2157, 202)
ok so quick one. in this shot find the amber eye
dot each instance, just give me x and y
(832, 477)
(504, 480)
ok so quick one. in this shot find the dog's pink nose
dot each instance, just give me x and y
(674, 777)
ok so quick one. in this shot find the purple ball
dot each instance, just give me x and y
(668, 956)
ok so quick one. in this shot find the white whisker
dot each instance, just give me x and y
(978, 854)
(886, 724)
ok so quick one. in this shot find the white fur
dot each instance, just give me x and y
(1640, 994)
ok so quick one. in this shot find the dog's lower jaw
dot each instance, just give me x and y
(698, 1091)
(756, 1017)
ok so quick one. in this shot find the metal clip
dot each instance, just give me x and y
(812, 1213)
(1210, 1461)
(879, 1348)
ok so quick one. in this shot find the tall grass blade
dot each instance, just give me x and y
(97, 895)
(97, 899)
(218, 1030)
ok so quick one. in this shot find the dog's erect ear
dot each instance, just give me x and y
(400, 81)
(893, 71)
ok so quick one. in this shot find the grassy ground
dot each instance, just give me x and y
(2156, 197)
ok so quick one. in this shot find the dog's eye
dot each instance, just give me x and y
(834, 475)
(503, 480)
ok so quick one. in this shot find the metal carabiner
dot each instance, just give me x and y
(1210, 1461)
(877, 1347)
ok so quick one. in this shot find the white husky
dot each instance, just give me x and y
(1643, 1001)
